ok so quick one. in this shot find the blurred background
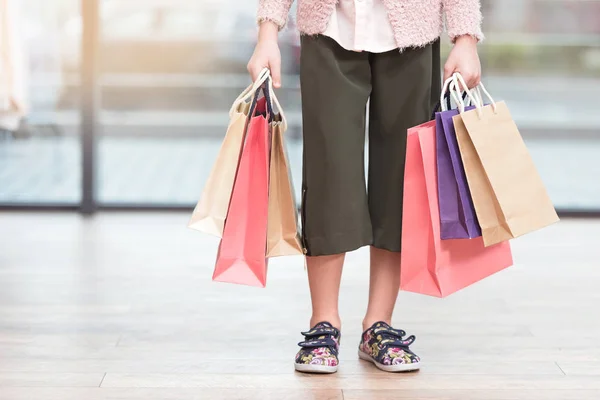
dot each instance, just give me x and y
(127, 99)
(122, 105)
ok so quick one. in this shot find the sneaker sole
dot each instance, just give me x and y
(390, 368)
(315, 369)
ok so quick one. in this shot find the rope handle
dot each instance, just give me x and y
(475, 96)
(275, 100)
(249, 92)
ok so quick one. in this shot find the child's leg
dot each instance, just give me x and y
(383, 286)
(324, 276)
(405, 88)
(335, 87)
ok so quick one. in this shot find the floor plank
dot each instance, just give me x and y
(65, 379)
(500, 394)
(413, 381)
(195, 364)
(165, 394)
(585, 367)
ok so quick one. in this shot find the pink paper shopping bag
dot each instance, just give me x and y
(242, 253)
(430, 265)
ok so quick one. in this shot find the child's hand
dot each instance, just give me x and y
(464, 59)
(266, 54)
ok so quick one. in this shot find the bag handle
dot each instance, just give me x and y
(476, 96)
(446, 96)
(439, 105)
(264, 88)
(273, 97)
(454, 89)
(249, 92)
(263, 77)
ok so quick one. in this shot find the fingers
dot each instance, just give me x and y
(449, 69)
(275, 67)
(472, 79)
(266, 55)
(254, 69)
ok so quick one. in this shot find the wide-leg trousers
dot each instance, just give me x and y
(339, 212)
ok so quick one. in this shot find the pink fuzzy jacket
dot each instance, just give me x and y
(415, 22)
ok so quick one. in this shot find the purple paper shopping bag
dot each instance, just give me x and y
(457, 213)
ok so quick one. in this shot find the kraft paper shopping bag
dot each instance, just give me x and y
(210, 212)
(489, 213)
(283, 237)
(508, 193)
(430, 265)
(241, 257)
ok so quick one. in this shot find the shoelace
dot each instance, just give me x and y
(328, 341)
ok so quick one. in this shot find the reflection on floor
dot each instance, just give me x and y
(174, 170)
(121, 306)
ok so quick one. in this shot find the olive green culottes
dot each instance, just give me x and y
(339, 212)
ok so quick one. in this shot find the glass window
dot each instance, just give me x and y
(39, 138)
(167, 84)
(170, 70)
(543, 58)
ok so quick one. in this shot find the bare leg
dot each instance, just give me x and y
(324, 277)
(383, 287)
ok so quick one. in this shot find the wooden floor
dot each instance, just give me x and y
(121, 306)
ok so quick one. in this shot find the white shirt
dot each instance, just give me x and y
(361, 25)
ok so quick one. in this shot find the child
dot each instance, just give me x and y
(388, 52)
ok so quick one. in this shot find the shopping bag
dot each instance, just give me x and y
(430, 265)
(508, 193)
(283, 237)
(241, 257)
(457, 213)
(210, 212)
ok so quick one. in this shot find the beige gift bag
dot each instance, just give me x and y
(211, 211)
(508, 193)
(283, 238)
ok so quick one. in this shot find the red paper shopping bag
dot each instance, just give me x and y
(430, 265)
(242, 252)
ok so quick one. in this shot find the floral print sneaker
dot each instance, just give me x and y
(387, 348)
(319, 350)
